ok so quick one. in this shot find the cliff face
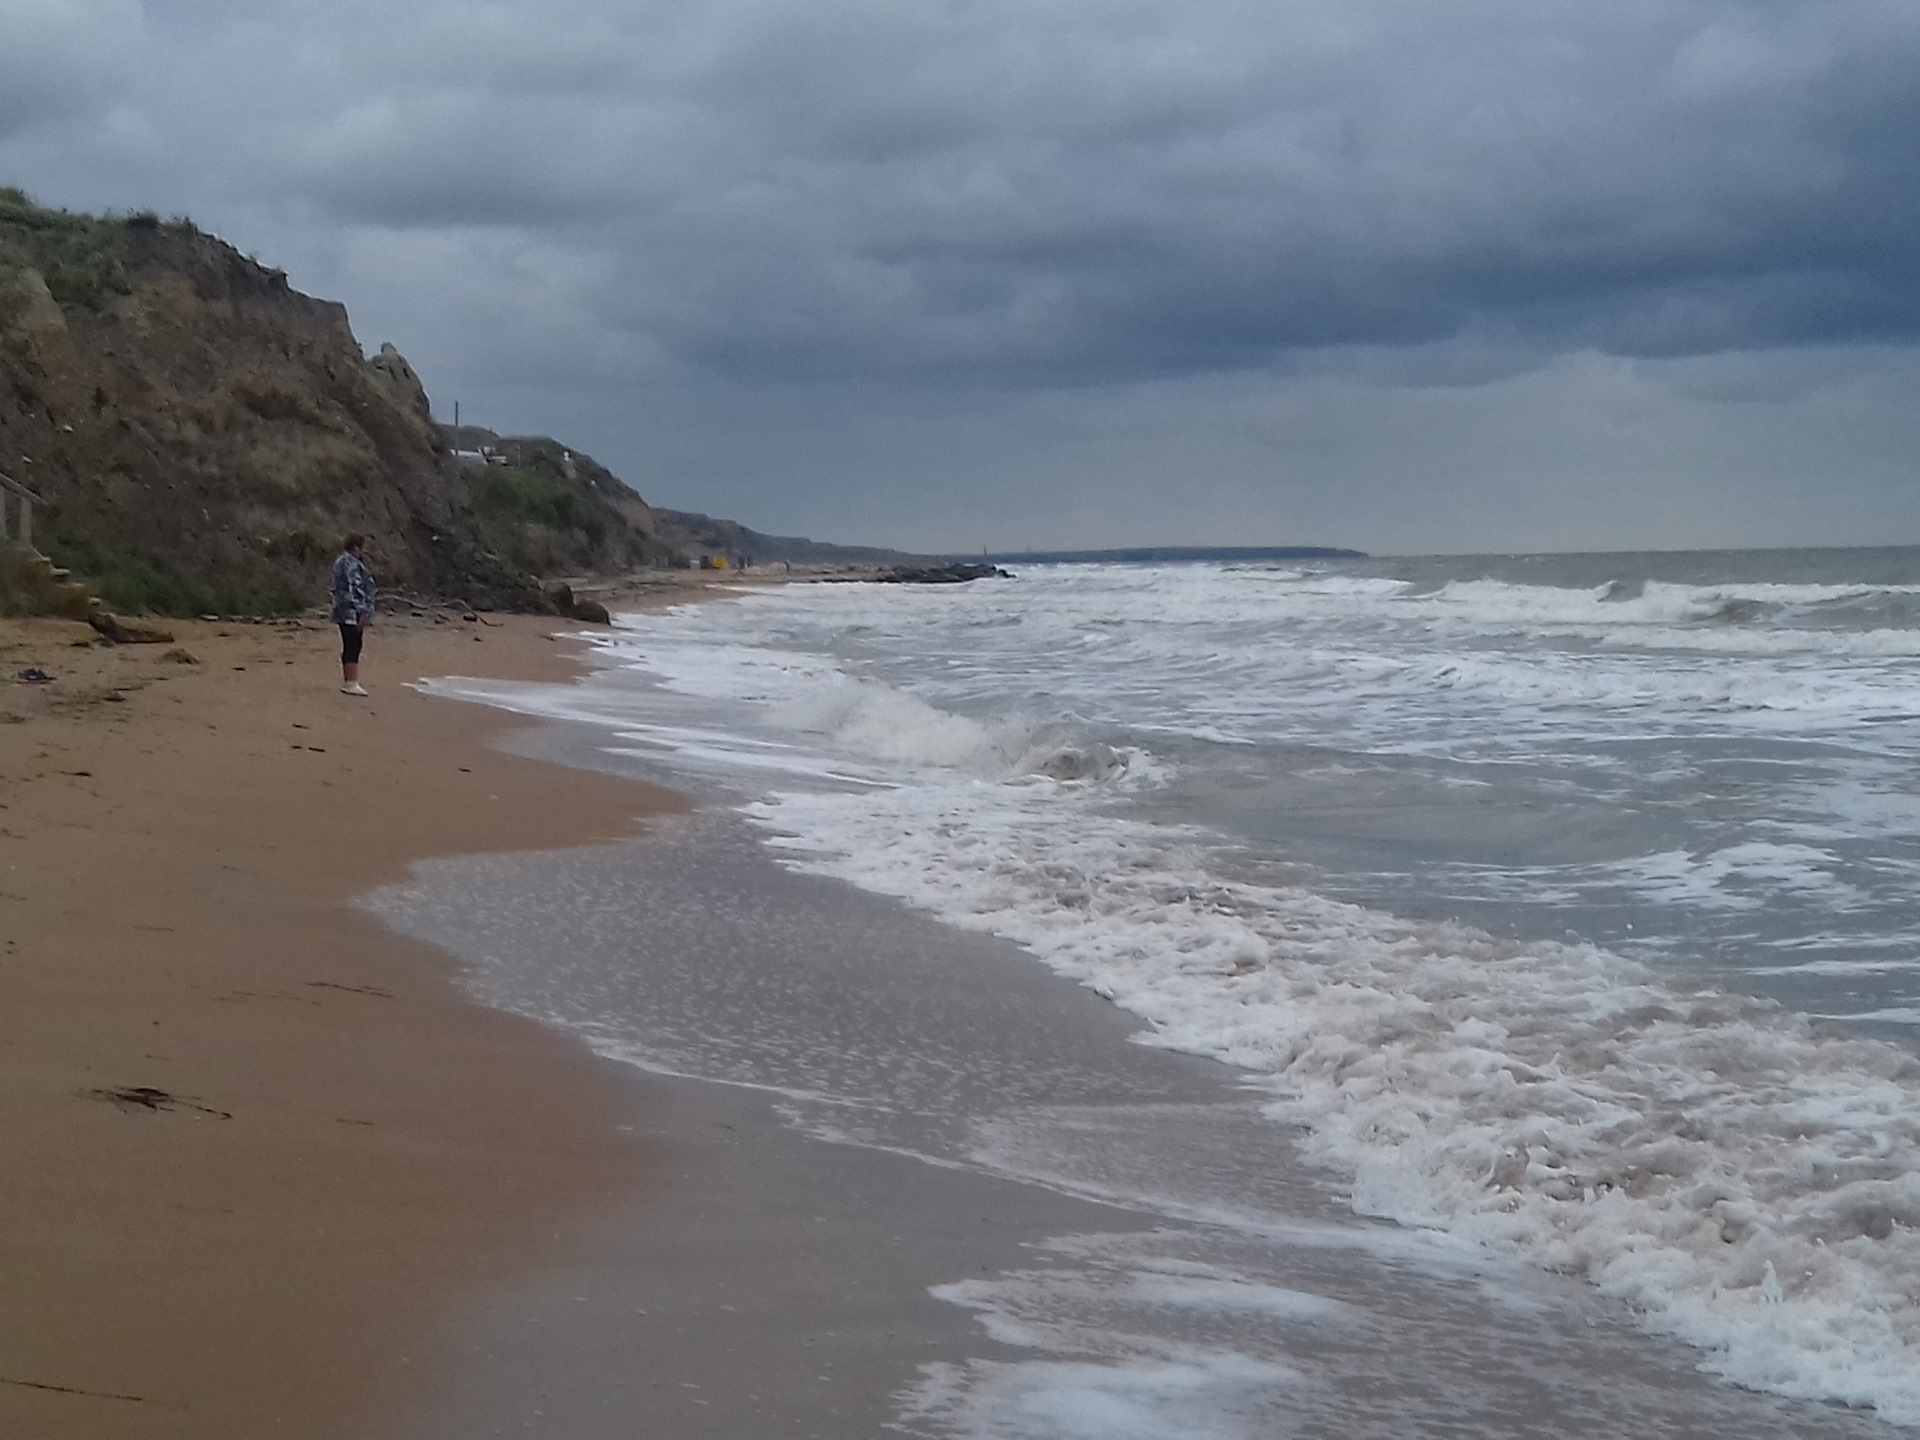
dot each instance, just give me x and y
(203, 434)
(552, 510)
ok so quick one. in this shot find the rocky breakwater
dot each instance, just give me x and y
(955, 572)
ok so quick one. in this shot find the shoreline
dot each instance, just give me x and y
(832, 1142)
(260, 1147)
(683, 957)
(880, 1138)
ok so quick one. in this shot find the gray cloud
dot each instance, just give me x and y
(60, 59)
(1081, 191)
(740, 202)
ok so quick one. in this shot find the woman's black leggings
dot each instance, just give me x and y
(350, 638)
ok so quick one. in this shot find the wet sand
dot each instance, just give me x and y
(258, 1147)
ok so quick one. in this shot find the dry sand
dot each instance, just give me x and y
(319, 1150)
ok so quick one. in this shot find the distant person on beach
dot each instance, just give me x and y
(354, 593)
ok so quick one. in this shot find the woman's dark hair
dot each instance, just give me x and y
(353, 541)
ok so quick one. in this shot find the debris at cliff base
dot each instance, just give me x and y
(578, 608)
(127, 632)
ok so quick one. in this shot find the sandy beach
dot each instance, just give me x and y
(257, 1145)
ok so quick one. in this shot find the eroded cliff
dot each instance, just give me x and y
(202, 434)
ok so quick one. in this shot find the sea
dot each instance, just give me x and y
(1552, 923)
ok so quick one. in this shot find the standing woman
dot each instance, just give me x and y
(354, 593)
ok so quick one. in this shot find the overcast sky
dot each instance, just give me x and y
(1396, 274)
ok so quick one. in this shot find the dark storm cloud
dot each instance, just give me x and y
(1493, 274)
(1097, 191)
(1076, 192)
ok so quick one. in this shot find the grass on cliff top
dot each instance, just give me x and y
(77, 255)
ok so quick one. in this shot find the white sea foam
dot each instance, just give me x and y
(1101, 1373)
(1215, 656)
(1892, 1015)
(1883, 966)
(1548, 1099)
(1210, 1294)
(1738, 877)
(1202, 1398)
(1744, 1179)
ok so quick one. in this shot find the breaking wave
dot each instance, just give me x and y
(1745, 1181)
